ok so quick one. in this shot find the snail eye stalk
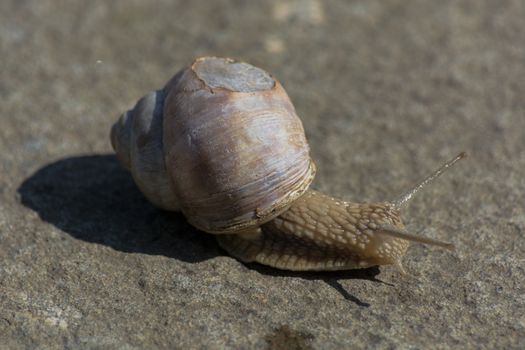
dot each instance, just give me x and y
(402, 200)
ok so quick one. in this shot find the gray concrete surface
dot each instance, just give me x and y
(387, 91)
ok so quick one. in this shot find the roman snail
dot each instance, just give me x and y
(222, 143)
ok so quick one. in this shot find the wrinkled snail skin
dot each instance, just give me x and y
(322, 233)
(222, 143)
(319, 232)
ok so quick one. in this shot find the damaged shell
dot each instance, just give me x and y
(221, 142)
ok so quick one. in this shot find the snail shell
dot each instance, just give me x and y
(221, 142)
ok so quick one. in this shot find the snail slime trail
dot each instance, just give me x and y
(221, 142)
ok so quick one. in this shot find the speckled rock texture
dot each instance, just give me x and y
(387, 91)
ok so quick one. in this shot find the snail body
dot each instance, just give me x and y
(222, 143)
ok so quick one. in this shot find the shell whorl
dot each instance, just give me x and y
(137, 139)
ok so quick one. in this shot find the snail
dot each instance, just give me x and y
(222, 143)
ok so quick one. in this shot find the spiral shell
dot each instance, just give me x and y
(221, 142)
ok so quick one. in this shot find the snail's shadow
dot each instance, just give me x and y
(329, 277)
(94, 199)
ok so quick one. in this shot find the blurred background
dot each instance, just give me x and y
(387, 90)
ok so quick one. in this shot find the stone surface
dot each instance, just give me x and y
(387, 90)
